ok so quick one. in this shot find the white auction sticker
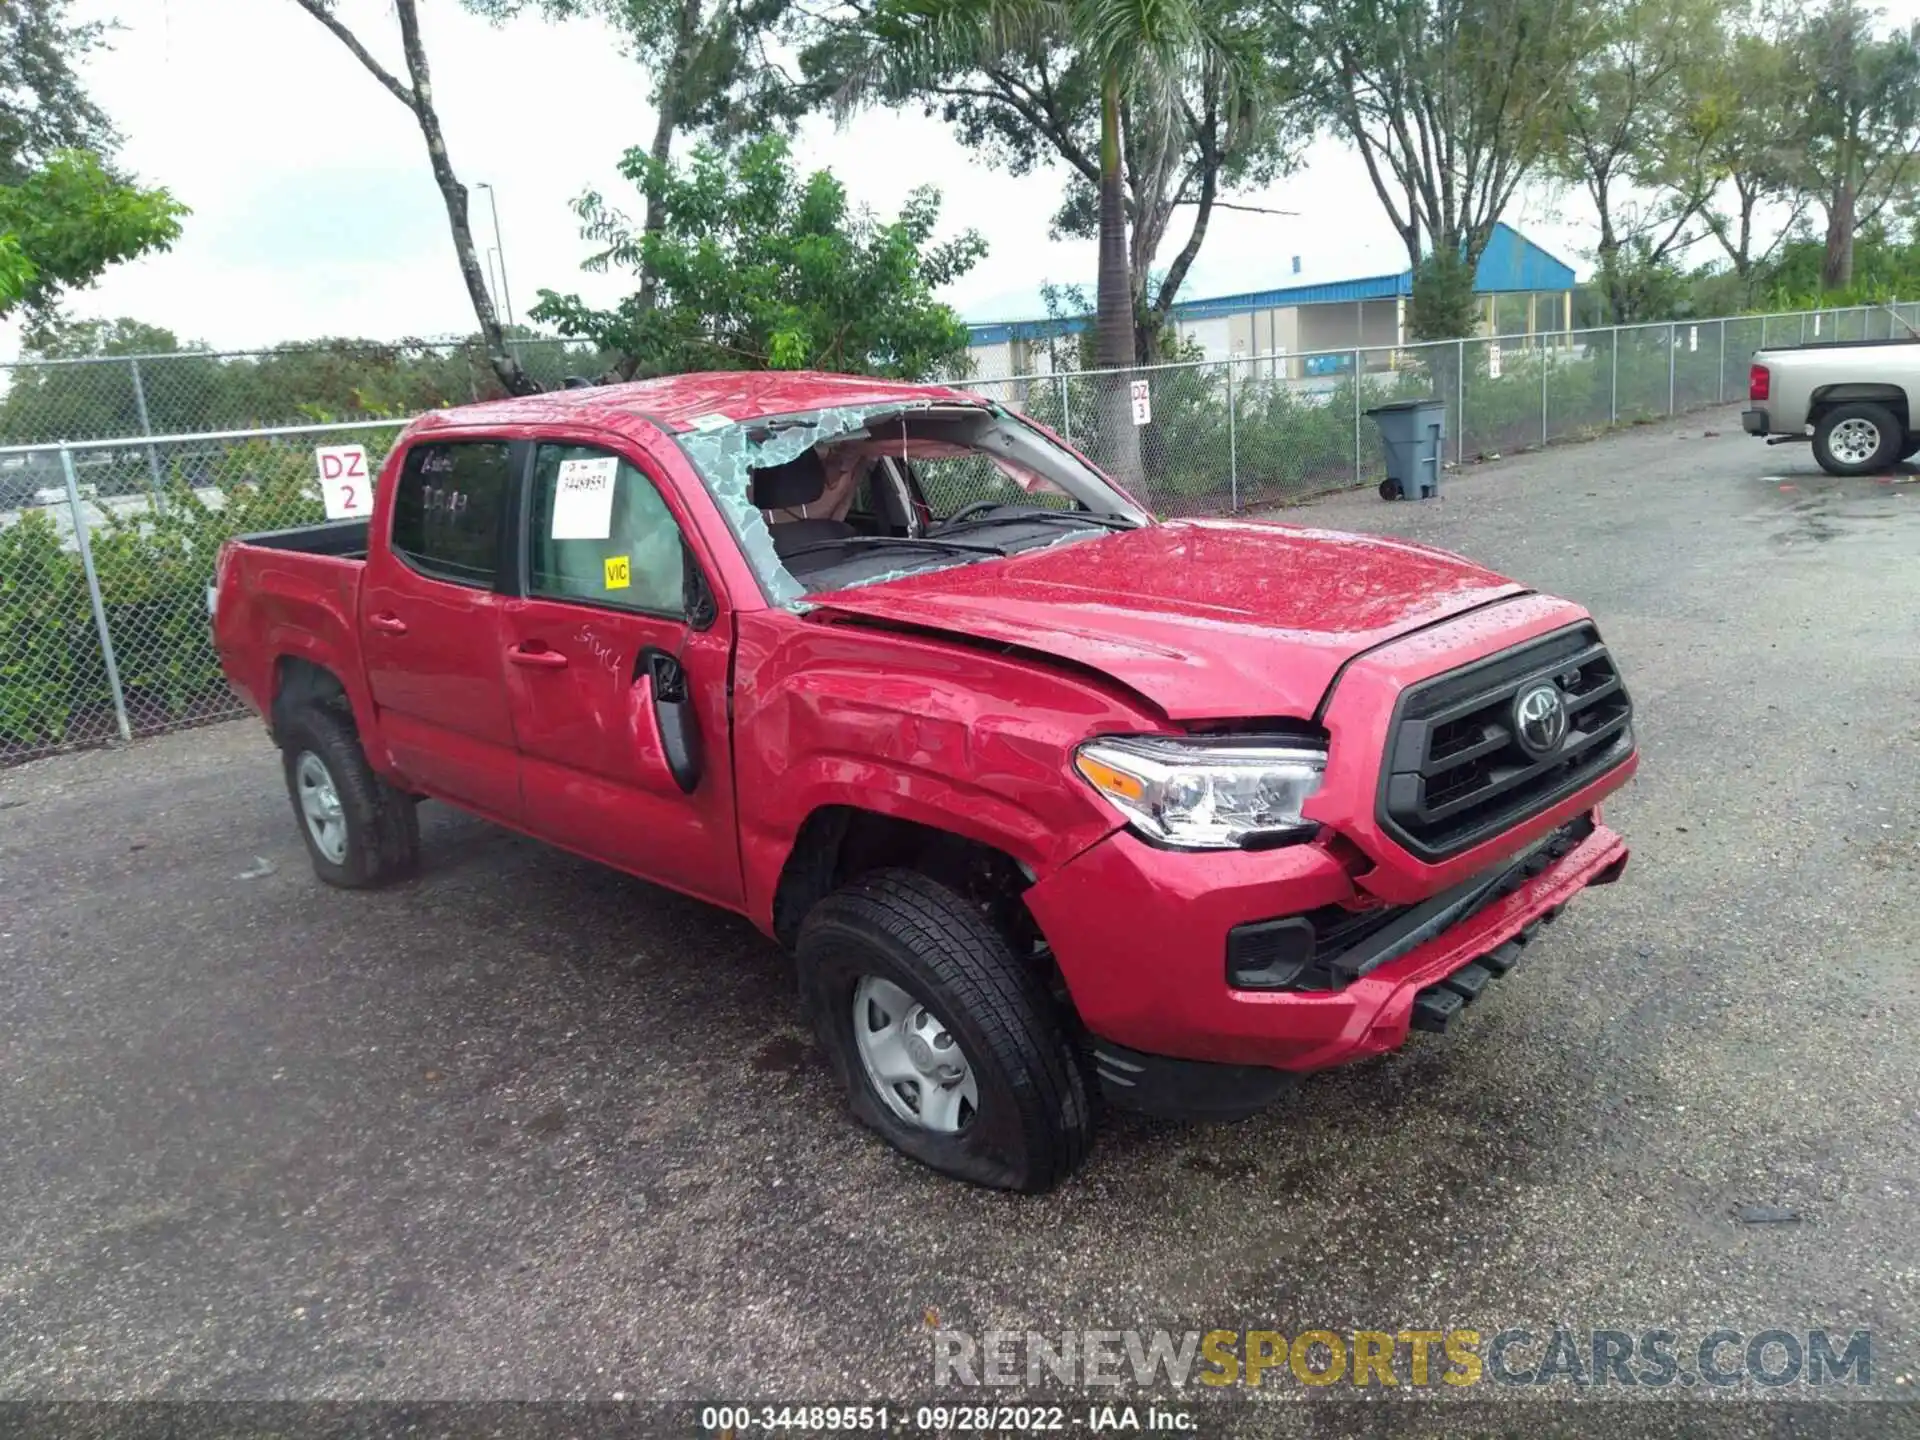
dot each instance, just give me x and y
(583, 499)
(346, 484)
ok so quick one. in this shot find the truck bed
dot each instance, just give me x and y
(1838, 345)
(342, 539)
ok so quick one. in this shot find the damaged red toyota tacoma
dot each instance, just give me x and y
(1045, 797)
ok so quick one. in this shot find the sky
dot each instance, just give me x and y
(314, 212)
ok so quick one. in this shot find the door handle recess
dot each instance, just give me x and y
(541, 659)
(387, 624)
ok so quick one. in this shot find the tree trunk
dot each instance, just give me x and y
(505, 367)
(1113, 313)
(664, 128)
(1836, 267)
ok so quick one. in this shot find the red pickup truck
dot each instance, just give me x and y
(1049, 800)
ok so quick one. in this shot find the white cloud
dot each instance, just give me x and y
(314, 212)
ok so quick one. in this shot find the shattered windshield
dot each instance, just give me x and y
(855, 495)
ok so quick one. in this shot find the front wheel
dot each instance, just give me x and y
(946, 1043)
(1860, 438)
(359, 830)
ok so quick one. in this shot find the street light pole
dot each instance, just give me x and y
(499, 245)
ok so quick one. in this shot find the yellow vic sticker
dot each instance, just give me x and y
(619, 573)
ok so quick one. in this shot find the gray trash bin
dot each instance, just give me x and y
(1414, 435)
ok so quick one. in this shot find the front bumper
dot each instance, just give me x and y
(1755, 422)
(1140, 935)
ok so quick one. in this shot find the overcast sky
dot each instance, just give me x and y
(314, 213)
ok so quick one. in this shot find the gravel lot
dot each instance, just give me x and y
(526, 1128)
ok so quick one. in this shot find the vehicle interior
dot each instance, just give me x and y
(927, 491)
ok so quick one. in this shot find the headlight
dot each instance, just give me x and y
(1205, 794)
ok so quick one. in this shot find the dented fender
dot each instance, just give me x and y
(949, 735)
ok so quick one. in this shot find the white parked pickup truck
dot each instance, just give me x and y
(1857, 400)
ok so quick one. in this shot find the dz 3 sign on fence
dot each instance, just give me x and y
(1142, 402)
(346, 485)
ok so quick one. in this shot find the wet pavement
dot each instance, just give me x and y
(523, 1127)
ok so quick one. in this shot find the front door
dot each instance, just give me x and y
(430, 624)
(598, 653)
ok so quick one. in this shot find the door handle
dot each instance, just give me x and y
(541, 659)
(387, 624)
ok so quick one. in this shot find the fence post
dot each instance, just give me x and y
(1066, 406)
(1233, 443)
(1543, 391)
(93, 591)
(1460, 405)
(1763, 332)
(1356, 416)
(1613, 391)
(1673, 358)
(146, 429)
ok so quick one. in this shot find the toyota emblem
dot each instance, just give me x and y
(1540, 719)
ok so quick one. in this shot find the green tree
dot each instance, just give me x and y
(44, 108)
(1751, 109)
(1861, 97)
(1637, 138)
(1136, 67)
(65, 214)
(1230, 121)
(1452, 104)
(710, 64)
(70, 219)
(757, 268)
(416, 93)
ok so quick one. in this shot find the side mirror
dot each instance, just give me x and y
(665, 729)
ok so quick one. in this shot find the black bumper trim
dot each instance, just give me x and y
(1170, 1089)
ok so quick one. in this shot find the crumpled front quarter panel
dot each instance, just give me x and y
(948, 735)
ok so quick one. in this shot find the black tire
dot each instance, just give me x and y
(1034, 1124)
(1389, 489)
(1854, 415)
(382, 840)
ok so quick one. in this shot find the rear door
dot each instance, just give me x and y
(430, 622)
(616, 611)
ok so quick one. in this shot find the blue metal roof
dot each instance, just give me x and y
(1373, 287)
(1511, 262)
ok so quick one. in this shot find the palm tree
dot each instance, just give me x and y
(1140, 50)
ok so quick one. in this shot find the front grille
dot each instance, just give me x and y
(1326, 948)
(1456, 772)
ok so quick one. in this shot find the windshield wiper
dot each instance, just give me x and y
(950, 547)
(1047, 512)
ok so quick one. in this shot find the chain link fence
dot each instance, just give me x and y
(44, 401)
(106, 552)
(107, 545)
(1227, 435)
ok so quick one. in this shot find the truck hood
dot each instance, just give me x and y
(1208, 619)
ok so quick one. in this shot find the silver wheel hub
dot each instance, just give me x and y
(912, 1059)
(1854, 442)
(320, 806)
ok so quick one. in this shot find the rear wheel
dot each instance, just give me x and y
(358, 829)
(946, 1043)
(1858, 438)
